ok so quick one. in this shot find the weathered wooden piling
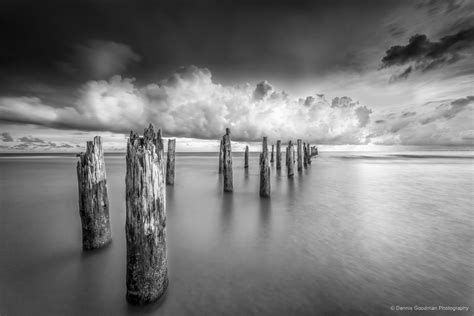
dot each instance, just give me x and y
(300, 154)
(147, 267)
(291, 160)
(272, 159)
(93, 198)
(246, 157)
(170, 161)
(264, 170)
(221, 157)
(309, 154)
(227, 161)
(278, 155)
(305, 155)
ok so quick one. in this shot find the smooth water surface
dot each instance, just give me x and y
(352, 234)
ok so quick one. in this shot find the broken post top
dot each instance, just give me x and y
(227, 131)
(264, 144)
(149, 137)
(93, 160)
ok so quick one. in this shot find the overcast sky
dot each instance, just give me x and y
(364, 72)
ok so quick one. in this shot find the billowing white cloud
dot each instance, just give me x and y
(189, 104)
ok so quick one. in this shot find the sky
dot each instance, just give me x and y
(365, 73)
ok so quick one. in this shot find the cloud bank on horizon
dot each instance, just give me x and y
(189, 104)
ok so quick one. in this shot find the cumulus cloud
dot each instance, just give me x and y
(262, 90)
(425, 55)
(190, 104)
(6, 137)
(100, 59)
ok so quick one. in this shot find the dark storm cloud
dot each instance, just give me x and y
(6, 137)
(98, 59)
(427, 55)
(236, 39)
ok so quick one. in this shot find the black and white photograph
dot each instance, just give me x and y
(236, 157)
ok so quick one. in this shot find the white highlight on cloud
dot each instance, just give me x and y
(189, 104)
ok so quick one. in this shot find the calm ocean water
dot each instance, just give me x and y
(354, 234)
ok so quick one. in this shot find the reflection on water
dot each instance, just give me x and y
(351, 234)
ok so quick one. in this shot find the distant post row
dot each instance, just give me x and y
(147, 175)
(301, 156)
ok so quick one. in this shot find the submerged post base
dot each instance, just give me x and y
(148, 294)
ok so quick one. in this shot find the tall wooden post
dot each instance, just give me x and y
(272, 159)
(291, 160)
(305, 155)
(170, 161)
(246, 157)
(221, 157)
(309, 154)
(227, 161)
(93, 198)
(264, 170)
(278, 155)
(145, 188)
(300, 154)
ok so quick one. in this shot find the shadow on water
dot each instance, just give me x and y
(150, 308)
(220, 183)
(227, 210)
(169, 197)
(265, 212)
(85, 254)
(291, 191)
(246, 175)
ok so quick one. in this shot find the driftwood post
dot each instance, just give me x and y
(227, 161)
(272, 159)
(93, 198)
(305, 155)
(147, 267)
(278, 155)
(170, 161)
(221, 157)
(291, 160)
(300, 155)
(246, 157)
(309, 154)
(264, 170)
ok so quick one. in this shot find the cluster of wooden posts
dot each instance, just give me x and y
(301, 155)
(148, 173)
